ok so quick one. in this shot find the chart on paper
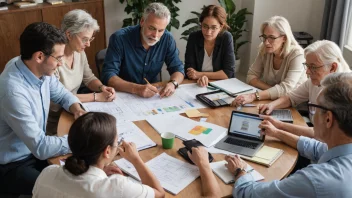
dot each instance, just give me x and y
(173, 174)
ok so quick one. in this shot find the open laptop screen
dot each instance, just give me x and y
(245, 125)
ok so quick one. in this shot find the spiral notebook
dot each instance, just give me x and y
(225, 175)
(265, 156)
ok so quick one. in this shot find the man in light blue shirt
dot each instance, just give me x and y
(26, 88)
(332, 175)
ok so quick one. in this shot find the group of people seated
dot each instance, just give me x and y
(35, 86)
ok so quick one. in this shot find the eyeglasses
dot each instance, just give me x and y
(270, 39)
(312, 68)
(313, 107)
(86, 40)
(212, 28)
(59, 59)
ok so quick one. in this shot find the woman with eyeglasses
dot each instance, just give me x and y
(88, 172)
(322, 58)
(79, 27)
(209, 51)
(278, 67)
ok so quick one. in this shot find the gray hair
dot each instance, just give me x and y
(77, 21)
(337, 96)
(282, 25)
(159, 9)
(328, 52)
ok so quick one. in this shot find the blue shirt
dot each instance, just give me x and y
(330, 177)
(24, 102)
(127, 58)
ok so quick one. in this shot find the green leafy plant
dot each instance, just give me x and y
(136, 7)
(236, 21)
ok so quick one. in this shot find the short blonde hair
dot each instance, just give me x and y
(328, 52)
(281, 25)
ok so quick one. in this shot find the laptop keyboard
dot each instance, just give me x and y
(242, 143)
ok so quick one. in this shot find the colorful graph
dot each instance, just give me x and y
(197, 130)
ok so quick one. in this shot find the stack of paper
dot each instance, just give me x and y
(174, 175)
(233, 85)
(186, 129)
(131, 133)
(227, 177)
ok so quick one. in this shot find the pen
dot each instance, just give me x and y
(146, 81)
(120, 142)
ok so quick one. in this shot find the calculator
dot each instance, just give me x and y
(215, 99)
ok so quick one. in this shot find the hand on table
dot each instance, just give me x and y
(107, 94)
(147, 91)
(234, 162)
(265, 108)
(168, 90)
(243, 99)
(203, 81)
(199, 156)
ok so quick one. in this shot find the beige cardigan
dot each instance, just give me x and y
(290, 75)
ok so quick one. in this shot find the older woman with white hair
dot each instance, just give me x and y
(278, 67)
(79, 27)
(323, 57)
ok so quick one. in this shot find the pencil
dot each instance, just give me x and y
(146, 81)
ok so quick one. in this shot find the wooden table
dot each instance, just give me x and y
(220, 116)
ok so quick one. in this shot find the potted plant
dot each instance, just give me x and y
(236, 21)
(136, 7)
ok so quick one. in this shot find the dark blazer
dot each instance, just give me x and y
(223, 54)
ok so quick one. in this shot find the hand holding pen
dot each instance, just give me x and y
(146, 91)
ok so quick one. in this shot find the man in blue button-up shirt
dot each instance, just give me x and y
(331, 176)
(139, 52)
(26, 88)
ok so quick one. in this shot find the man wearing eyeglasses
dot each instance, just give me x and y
(331, 176)
(136, 54)
(26, 88)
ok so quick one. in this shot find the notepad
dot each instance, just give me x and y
(265, 156)
(233, 85)
(193, 113)
(227, 177)
(174, 175)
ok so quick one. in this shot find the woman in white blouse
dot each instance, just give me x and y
(79, 27)
(88, 173)
(323, 57)
(278, 67)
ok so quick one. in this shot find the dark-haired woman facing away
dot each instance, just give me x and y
(88, 173)
(209, 51)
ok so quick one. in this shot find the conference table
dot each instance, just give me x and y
(220, 116)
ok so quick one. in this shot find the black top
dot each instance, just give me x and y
(223, 54)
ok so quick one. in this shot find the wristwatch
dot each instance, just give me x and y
(257, 95)
(175, 83)
(239, 170)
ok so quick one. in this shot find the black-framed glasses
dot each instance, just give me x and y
(207, 27)
(313, 108)
(312, 68)
(58, 59)
(270, 39)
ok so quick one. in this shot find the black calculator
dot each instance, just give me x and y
(215, 99)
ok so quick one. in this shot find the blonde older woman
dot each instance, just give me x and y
(323, 57)
(278, 67)
(79, 27)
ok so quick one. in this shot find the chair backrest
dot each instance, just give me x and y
(99, 60)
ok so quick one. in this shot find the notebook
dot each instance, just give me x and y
(265, 156)
(233, 86)
(227, 177)
(173, 174)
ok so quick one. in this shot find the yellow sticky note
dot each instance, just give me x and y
(192, 113)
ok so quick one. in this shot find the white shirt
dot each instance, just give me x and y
(207, 62)
(55, 182)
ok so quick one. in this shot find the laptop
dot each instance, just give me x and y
(243, 134)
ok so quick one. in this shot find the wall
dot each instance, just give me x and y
(303, 15)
